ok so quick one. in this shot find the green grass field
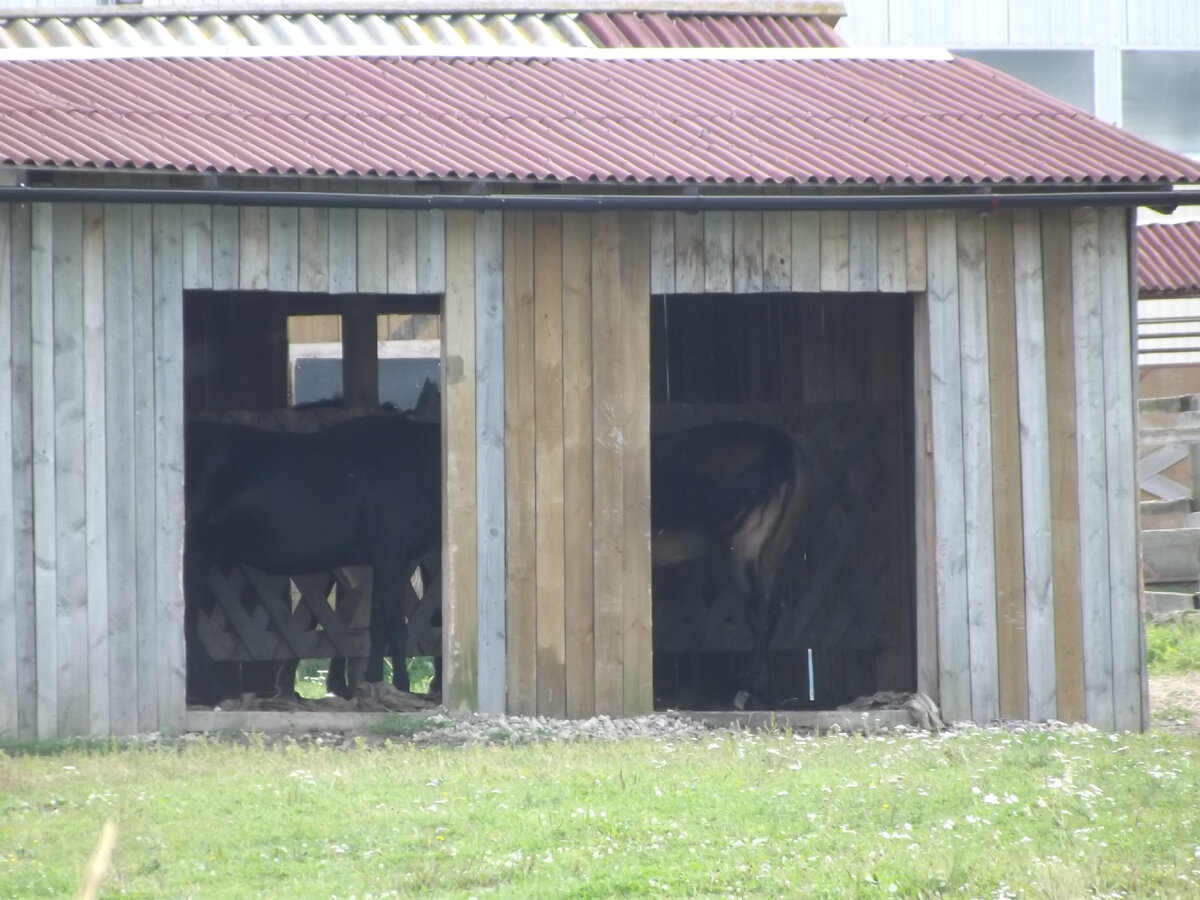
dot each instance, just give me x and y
(1062, 813)
(1067, 813)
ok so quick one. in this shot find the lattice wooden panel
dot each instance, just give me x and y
(253, 616)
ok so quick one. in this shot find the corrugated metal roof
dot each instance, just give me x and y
(668, 120)
(1169, 260)
(383, 31)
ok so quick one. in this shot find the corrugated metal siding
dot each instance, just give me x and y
(817, 121)
(390, 30)
(1169, 259)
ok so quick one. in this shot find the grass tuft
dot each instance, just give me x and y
(1173, 646)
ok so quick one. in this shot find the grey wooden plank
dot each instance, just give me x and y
(21, 325)
(489, 460)
(777, 251)
(95, 470)
(864, 252)
(401, 251)
(835, 251)
(313, 236)
(166, 255)
(119, 381)
(226, 248)
(945, 362)
(806, 252)
(44, 527)
(662, 253)
(372, 247)
(1118, 311)
(977, 469)
(747, 252)
(431, 252)
(197, 247)
(718, 252)
(145, 482)
(893, 250)
(69, 483)
(1033, 406)
(283, 242)
(9, 598)
(254, 246)
(689, 253)
(343, 251)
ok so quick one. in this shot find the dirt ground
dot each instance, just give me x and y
(1175, 702)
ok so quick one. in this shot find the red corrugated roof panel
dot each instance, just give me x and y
(662, 120)
(1169, 260)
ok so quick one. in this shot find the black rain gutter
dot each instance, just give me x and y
(695, 202)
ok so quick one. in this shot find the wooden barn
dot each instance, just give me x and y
(627, 221)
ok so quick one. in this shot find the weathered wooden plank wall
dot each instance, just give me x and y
(1026, 560)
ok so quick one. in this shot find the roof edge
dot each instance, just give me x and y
(828, 10)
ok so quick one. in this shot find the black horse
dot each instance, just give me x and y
(366, 491)
(737, 491)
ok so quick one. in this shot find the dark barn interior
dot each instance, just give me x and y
(238, 368)
(834, 372)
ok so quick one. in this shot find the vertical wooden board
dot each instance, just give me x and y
(689, 253)
(254, 248)
(431, 252)
(747, 252)
(835, 251)
(718, 252)
(313, 237)
(637, 652)
(1006, 469)
(459, 613)
(197, 247)
(1090, 436)
(25, 688)
(95, 470)
(577, 464)
(360, 351)
(401, 251)
(777, 251)
(9, 597)
(1035, 464)
(945, 366)
(924, 512)
(489, 464)
(914, 245)
(548, 463)
(44, 527)
(372, 251)
(1120, 447)
(608, 460)
(226, 248)
(864, 251)
(121, 470)
(144, 487)
(342, 258)
(519, 442)
(283, 266)
(170, 676)
(977, 468)
(1064, 472)
(662, 252)
(806, 252)
(892, 249)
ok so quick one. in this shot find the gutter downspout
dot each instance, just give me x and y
(979, 202)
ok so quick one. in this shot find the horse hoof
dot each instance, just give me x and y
(741, 700)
